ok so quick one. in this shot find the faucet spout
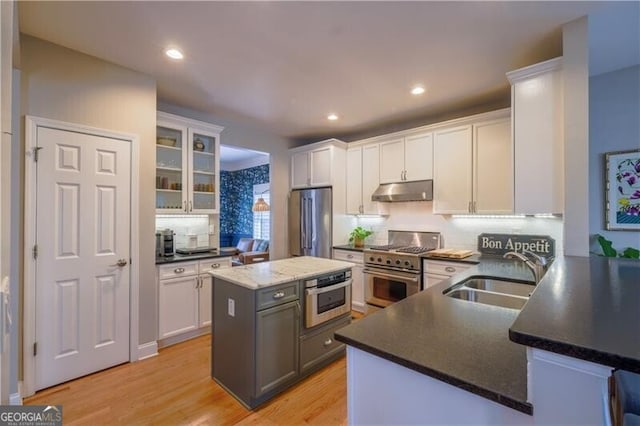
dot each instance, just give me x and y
(538, 266)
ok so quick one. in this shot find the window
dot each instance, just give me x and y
(261, 220)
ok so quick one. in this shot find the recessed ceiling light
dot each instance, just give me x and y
(418, 90)
(174, 53)
(332, 117)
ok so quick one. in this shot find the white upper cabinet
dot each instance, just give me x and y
(363, 178)
(537, 113)
(408, 158)
(473, 168)
(187, 165)
(452, 174)
(492, 167)
(313, 167)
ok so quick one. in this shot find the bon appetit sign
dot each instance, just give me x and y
(499, 244)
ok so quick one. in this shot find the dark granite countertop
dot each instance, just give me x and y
(187, 257)
(473, 259)
(350, 247)
(461, 343)
(586, 308)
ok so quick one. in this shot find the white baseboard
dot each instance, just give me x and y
(358, 306)
(147, 350)
(15, 399)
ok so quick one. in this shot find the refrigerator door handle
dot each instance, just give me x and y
(303, 224)
(310, 224)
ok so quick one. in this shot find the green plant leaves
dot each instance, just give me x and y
(609, 251)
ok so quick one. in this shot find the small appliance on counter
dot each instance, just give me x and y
(165, 243)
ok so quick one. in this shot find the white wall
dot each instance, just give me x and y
(240, 135)
(458, 232)
(575, 66)
(66, 85)
(614, 108)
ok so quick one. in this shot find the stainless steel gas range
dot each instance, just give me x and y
(392, 271)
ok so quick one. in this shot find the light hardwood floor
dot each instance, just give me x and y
(175, 388)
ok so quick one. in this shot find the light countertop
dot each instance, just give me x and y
(266, 274)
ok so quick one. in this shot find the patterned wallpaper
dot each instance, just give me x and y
(236, 199)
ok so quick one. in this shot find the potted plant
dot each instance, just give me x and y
(358, 235)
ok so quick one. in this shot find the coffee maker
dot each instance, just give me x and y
(165, 243)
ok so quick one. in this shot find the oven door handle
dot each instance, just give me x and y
(315, 290)
(386, 275)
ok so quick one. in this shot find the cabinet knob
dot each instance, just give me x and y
(215, 265)
(450, 269)
(328, 342)
(278, 295)
(349, 256)
(178, 270)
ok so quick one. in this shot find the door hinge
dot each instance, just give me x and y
(36, 150)
(35, 251)
(35, 348)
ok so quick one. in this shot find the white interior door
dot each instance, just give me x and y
(82, 269)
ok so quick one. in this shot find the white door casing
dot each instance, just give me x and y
(80, 305)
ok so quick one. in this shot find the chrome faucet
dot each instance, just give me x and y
(538, 266)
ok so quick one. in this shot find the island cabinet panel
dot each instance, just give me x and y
(255, 349)
(277, 355)
(320, 346)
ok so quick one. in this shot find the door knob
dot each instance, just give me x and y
(121, 263)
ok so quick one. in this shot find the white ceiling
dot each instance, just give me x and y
(237, 158)
(285, 65)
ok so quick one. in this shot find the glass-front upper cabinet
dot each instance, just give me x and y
(187, 165)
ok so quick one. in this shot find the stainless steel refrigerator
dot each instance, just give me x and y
(310, 227)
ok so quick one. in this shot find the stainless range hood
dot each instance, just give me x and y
(420, 190)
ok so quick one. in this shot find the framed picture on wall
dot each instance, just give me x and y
(623, 190)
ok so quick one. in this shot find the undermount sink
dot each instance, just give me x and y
(492, 291)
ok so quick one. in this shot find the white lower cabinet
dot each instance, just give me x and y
(357, 276)
(184, 301)
(436, 271)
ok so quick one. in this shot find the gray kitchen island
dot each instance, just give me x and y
(273, 323)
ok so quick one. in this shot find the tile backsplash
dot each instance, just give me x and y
(183, 225)
(457, 232)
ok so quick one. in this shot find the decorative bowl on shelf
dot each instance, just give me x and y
(198, 145)
(166, 141)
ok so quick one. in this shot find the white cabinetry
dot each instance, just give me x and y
(407, 158)
(363, 178)
(187, 165)
(537, 114)
(357, 276)
(473, 168)
(435, 271)
(184, 306)
(312, 168)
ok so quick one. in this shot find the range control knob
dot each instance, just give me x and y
(407, 263)
(372, 258)
(379, 259)
(397, 262)
(388, 262)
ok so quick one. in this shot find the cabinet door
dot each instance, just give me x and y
(371, 180)
(538, 144)
(452, 170)
(493, 167)
(277, 350)
(418, 157)
(178, 306)
(432, 279)
(354, 181)
(392, 161)
(171, 168)
(320, 160)
(204, 179)
(204, 300)
(300, 169)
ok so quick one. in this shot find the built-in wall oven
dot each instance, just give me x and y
(392, 271)
(327, 297)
